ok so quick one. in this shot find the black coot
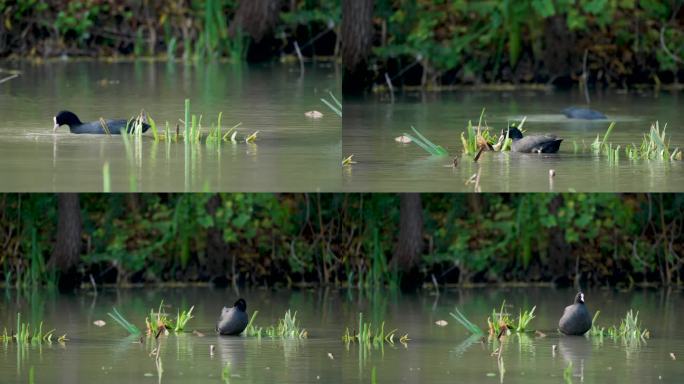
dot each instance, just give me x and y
(95, 127)
(576, 319)
(233, 320)
(583, 114)
(533, 143)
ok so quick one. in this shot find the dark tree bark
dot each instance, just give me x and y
(560, 264)
(257, 18)
(357, 42)
(559, 56)
(217, 249)
(410, 243)
(65, 256)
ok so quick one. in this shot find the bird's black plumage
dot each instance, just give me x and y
(533, 143)
(233, 320)
(94, 127)
(576, 319)
(583, 114)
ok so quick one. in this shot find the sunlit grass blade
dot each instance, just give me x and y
(334, 108)
(426, 144)
(118, 317)
(467, 324)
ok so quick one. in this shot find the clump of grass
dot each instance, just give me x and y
(654, 145)
(524, 319)
(629, 328)
(467, 324)
(601, 145)
(335, 105)
(182, 319)
(156, 322)
(369, 335)
(427, 145)
(121, 320)
(347, 161)
(287, 328)
(26, 335)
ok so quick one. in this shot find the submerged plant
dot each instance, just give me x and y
(467, 324)
(369, 335)
(121, 320)
(335, 105)
(426, 144)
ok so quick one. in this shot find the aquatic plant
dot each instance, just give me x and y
(287, 328)
(599, 145)
(121, 320)
(467, 324)
(654, 145)
(426, 144)
(335, 105)
(369, 335)
(24, 334)
(629, 328)
(348, 160)
(524, 319)
(182, 319)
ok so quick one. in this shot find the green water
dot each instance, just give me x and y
(434, 354)
(292, 153)
(383, 165)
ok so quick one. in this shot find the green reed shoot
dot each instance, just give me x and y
(106, 179)
(182, 319)
(524, 319)
(629, 328)
(287, 328)
(467, 324)
(426, 144)
(27, 335)
(121, 320)
(598, 145)
(654, 145)
(335, 105)
(369, 335)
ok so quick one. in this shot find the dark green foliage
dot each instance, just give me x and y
(192, 29)
(515, 40)
(344, 239)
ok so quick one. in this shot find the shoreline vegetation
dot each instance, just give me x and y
(438, 45)
(341, 240)
(256, 30)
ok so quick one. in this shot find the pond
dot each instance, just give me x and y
(383, 165)
(291, 153)
(433, 353)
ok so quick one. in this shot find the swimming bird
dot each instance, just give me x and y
(576, 319)
(233, 320)
(583, 114)
(533, 143)
(76, 126)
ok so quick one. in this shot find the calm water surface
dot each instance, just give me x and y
(434, 353)
(371, 124)
(292, 153)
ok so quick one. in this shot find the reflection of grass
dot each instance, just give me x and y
(369, 335)
(567, 373)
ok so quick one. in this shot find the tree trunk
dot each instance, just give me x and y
(65, 256)
(559, 263)
(357, 41)
(217, 249)
(257, 18)
(410, 243)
